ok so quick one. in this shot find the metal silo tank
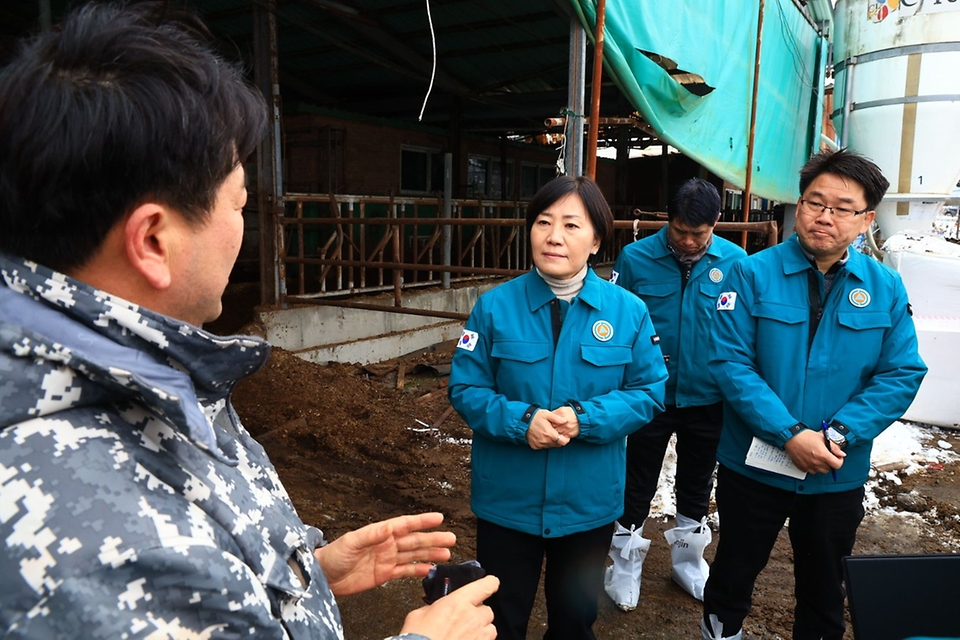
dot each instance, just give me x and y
(897, 90)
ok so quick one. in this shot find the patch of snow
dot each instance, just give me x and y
(920, 242)
(908, 445)
(903, 448)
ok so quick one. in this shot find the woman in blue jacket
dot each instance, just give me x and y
(553, 371)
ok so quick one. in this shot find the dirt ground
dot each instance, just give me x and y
(354, 445)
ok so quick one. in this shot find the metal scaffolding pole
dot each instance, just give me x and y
(595, 91)
(573, 129)
(753, 126)
(447, 213)
(269, 173)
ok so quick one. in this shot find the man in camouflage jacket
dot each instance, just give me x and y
(133, 503)
(123, 462)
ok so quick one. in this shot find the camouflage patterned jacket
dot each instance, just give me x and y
(133, 503)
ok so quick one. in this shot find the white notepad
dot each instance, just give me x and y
(763, 455)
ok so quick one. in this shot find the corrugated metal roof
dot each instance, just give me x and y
(502, 65)
(375, 57)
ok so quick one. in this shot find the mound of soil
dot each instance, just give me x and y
(354, 445)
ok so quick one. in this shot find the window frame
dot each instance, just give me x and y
(432, 155)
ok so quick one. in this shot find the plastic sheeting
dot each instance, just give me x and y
(930, 268)
(717, 41)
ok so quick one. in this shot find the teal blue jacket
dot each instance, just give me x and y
(862, 368)
(682, 316)
(606, 359)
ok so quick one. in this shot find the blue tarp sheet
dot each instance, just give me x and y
(717, 41)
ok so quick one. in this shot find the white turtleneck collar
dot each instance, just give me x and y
(566, 290)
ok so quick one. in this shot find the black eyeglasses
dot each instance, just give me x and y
(818, 208)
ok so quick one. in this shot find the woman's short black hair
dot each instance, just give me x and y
(590, 195)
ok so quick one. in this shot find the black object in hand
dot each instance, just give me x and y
(444, 578)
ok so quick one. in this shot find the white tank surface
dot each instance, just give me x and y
(897, 98)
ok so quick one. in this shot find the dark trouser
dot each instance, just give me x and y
(698, 433)
(572, 581)
(823, 528)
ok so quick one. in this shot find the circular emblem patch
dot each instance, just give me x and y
(602, 330)
(716, 275)
(859, 298)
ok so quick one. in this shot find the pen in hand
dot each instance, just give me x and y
(824, 426)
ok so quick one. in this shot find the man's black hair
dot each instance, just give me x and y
(590, 195)
(849, 165)
(118, 106)
(695, 203)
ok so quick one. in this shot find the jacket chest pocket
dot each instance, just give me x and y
(701, 309)
(779, 315)
(659, 290)
(860, 336)
(658, 297)
(711, 289)
(519, 365)
(707, 300)
(780, 325)
(604, 367)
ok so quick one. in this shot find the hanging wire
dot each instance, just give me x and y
(433, 71)
(562, 157)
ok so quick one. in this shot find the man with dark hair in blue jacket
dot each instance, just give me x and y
(678, 272)
(816, 354)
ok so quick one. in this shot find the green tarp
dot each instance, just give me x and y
(717, 41)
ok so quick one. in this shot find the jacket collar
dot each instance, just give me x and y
(539, 293)
(179, 370)
(794, 260)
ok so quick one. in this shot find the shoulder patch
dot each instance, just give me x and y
(727, 301)
(468, 340)
(613, 276)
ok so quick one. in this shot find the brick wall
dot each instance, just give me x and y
(370, 159)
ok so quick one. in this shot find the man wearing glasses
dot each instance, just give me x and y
(815, 354)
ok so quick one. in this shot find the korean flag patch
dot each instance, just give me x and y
(614, 276)
(468, 340)
(727, 301)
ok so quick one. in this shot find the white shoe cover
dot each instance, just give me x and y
(621, 581)
(687, 542)
(717, 632)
